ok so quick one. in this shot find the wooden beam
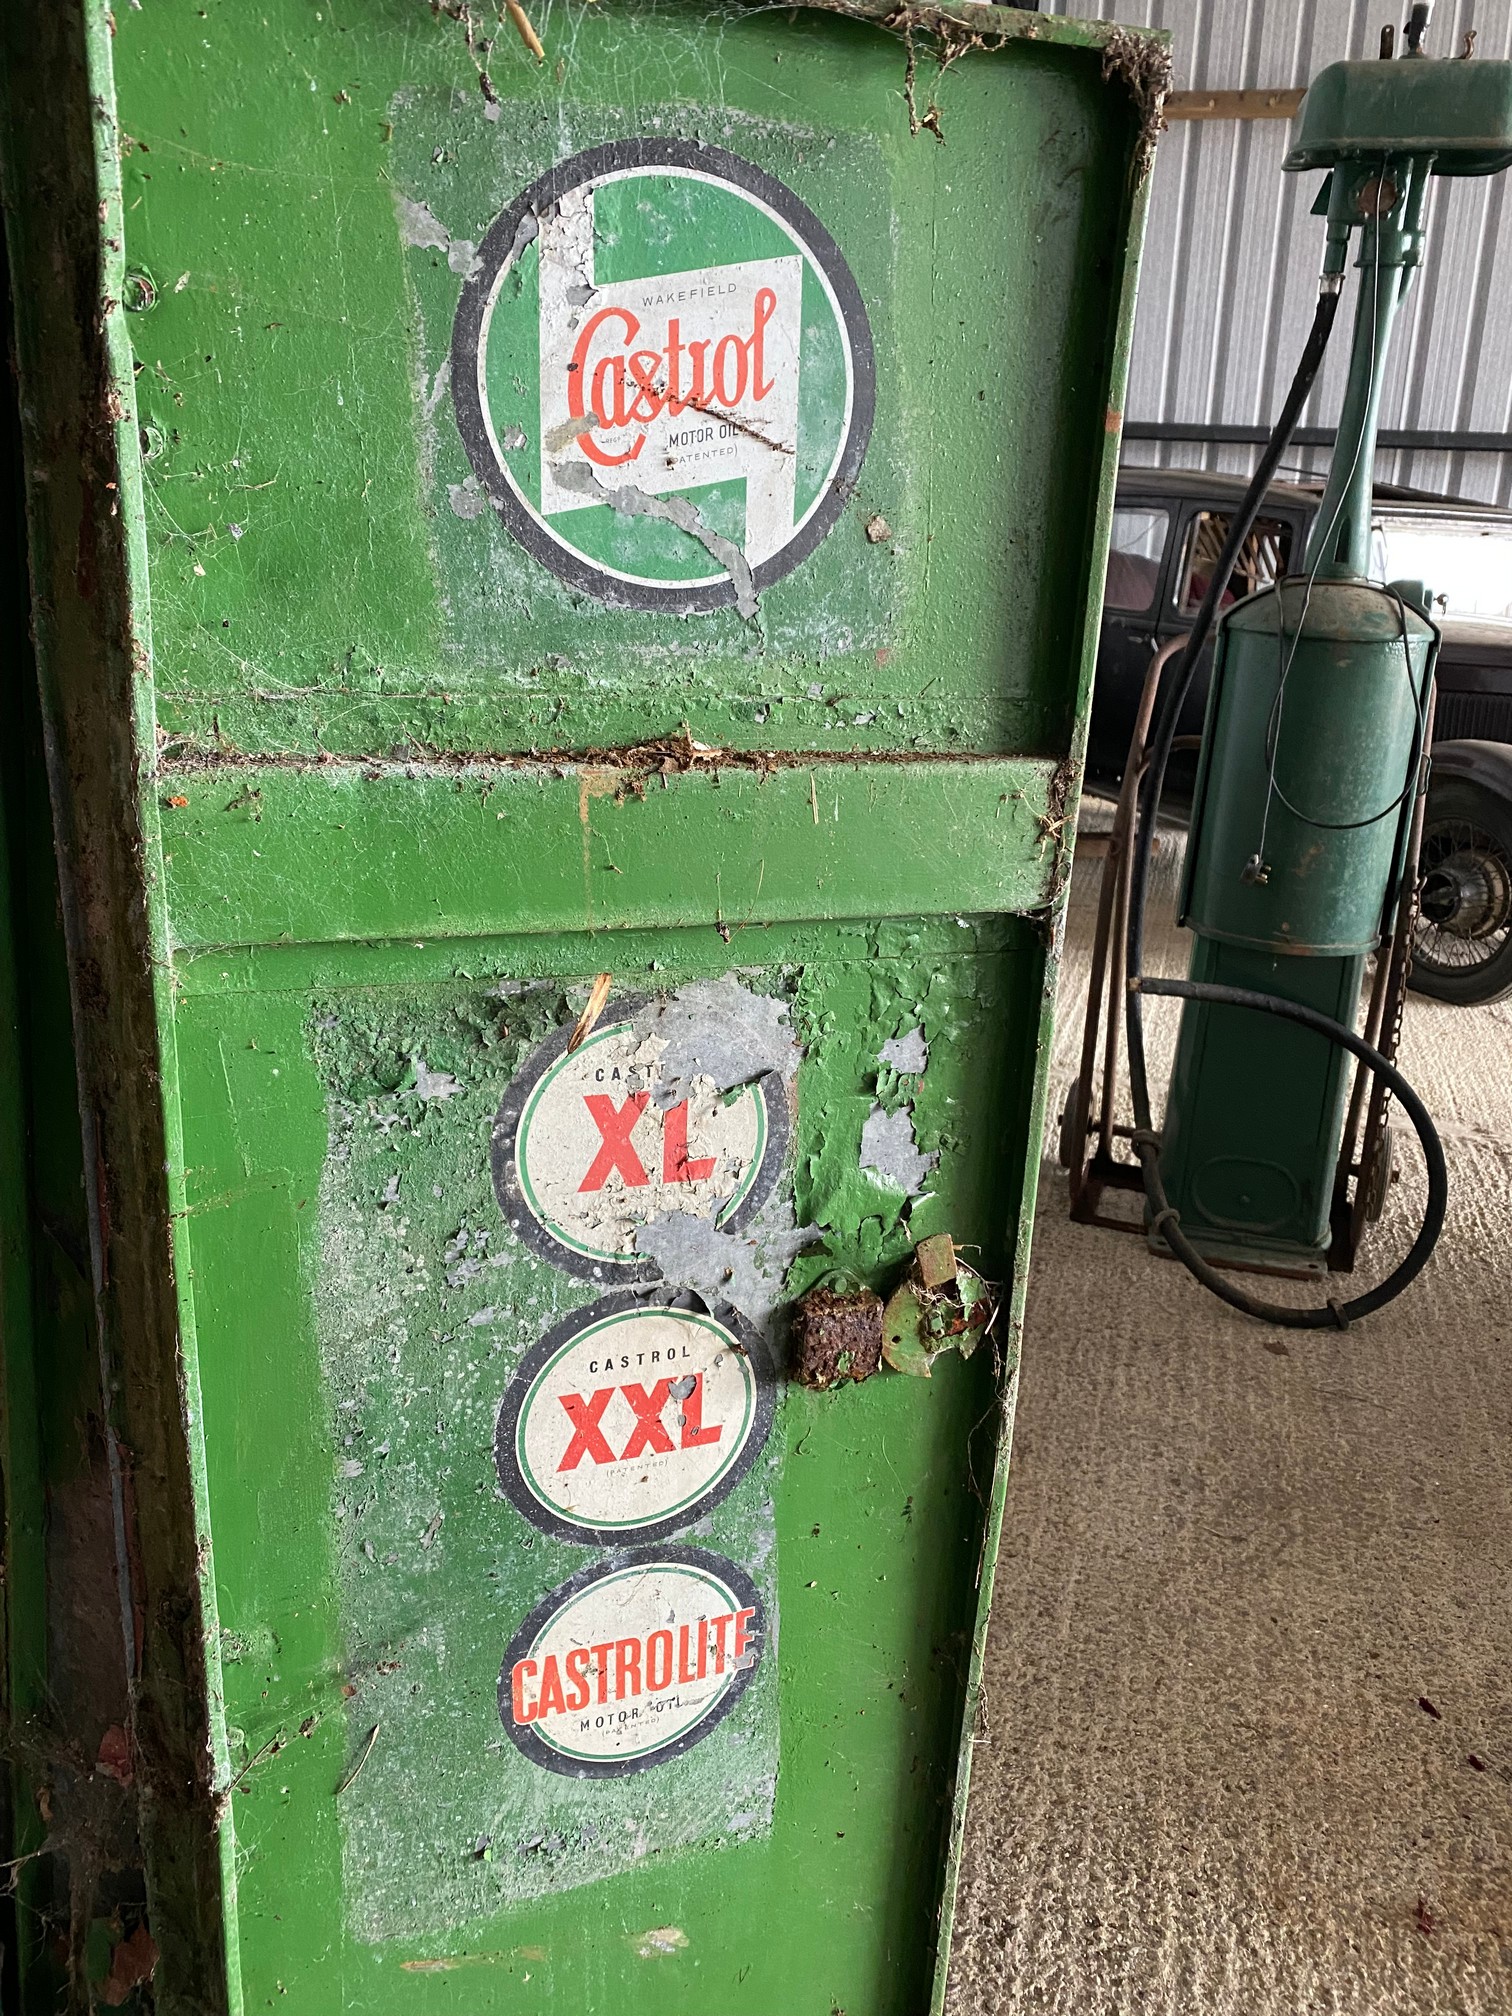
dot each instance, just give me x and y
(1232, 104)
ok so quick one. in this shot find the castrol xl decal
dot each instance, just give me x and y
(633, 1418)
(591, 1146)
(630, 1663)
(662, 373)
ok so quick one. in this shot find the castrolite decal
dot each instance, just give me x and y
(630, 1664)
(633, 1417)
(589, 1147)
(662, 372)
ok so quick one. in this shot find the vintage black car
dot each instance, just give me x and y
(1168, 528)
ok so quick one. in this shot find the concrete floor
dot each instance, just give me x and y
(1237, 1561)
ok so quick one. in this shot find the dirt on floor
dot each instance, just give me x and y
(1249, 1736)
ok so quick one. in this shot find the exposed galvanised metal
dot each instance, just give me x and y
(1227, 285)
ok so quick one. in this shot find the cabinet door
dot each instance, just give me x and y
(619, 528)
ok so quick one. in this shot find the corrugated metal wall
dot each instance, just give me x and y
(1231, 258)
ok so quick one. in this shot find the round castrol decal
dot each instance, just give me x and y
(633, 1418)
(662, 374)
(589, 1147)
(631, 1663)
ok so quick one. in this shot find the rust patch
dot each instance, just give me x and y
(1052, 822)
(935, 1259)
(939, 1304)
(113, 1759)
(836, 1338)
(616, 772)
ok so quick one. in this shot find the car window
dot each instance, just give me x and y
(1135, 553)
(1263, 557)
(1466, 563)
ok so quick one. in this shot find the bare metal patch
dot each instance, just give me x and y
(467, 499)
(745, 1269)
(719, 1030)
(889, 1150)
(631, 502)
(660, 1943)
(419, 226)
(908, 1053)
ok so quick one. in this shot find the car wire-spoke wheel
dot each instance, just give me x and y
(1462, 944)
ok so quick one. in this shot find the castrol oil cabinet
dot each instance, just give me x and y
(550, 608)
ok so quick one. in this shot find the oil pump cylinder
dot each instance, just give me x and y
(1308, 764)
(1307, 750)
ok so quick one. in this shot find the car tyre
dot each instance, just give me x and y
(1462, 938)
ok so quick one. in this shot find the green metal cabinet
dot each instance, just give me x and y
(565, 594)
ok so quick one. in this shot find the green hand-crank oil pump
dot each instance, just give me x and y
(1313, 747)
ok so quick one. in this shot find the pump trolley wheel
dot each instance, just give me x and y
(1378, 1180)
(1071, 1143)
(1462, 948)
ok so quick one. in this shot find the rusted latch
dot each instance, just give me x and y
(836, 1337)
(940, 1305)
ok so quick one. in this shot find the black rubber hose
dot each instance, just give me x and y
(1168, 1223)
(1163, 1218)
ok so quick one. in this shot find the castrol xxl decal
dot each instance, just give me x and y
(593, 1144)
(633, 1418)
(630, 1663)
(662, 373)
